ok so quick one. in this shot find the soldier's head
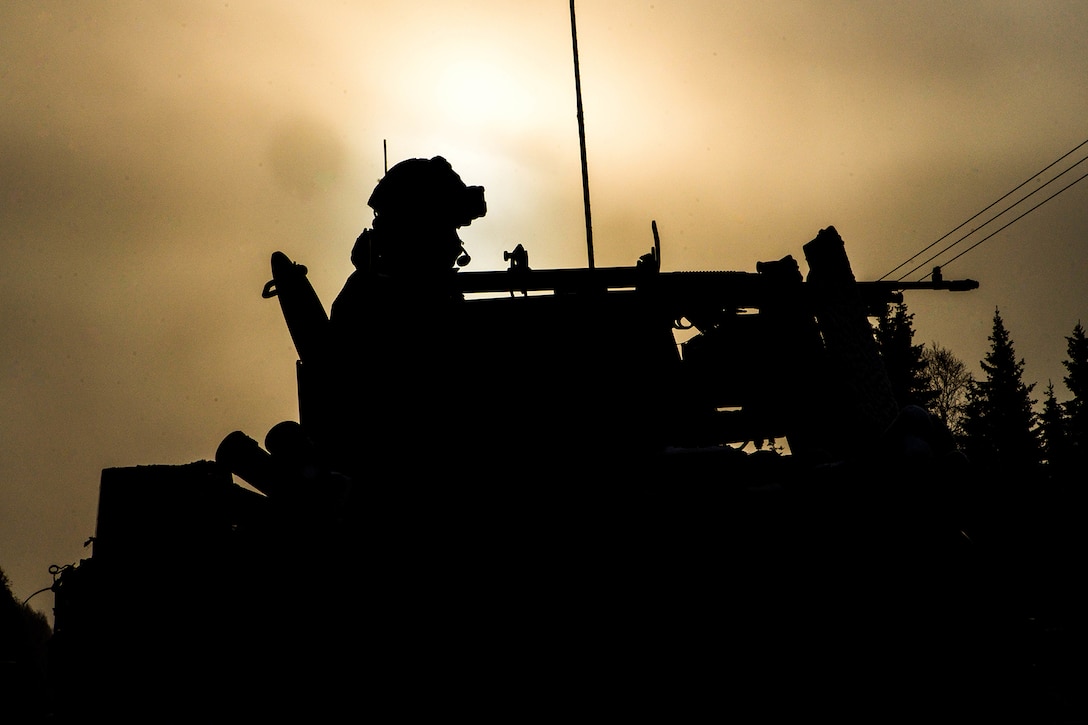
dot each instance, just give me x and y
(418, 207)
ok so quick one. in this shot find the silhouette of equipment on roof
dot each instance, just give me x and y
(505, 483)
(573, 366)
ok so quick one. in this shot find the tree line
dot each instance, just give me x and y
(1022, 500)
(993, 417)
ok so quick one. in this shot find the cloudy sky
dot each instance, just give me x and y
(154, 154)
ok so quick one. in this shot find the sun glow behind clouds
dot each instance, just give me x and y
(475, 92)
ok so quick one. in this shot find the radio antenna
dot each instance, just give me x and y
(385, 156)
(581, 136)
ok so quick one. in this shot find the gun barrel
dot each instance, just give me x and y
(746, 289)
(952, 285)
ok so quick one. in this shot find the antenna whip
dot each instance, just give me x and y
(582, 136)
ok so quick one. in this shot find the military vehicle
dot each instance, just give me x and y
(595, 491)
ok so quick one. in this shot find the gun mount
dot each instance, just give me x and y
(768, 355)
(534, 496)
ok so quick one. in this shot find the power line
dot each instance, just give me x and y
(1081, 178)
(1006, 210)
(983, 211)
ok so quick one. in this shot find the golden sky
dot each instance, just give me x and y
(154, 155)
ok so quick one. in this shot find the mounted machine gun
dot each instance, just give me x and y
(767, 354)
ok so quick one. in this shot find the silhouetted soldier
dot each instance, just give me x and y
(405, 395)
(392, 322)
(412, 247)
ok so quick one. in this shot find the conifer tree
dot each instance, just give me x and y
(1053, 423)
(1000, 421)
(902, 359)
(1076, 409)
(24, 634)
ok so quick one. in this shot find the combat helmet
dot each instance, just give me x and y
(418, 207)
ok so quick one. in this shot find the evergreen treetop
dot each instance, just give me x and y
(1001, 421)
(1076, 409)
(904, 361)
